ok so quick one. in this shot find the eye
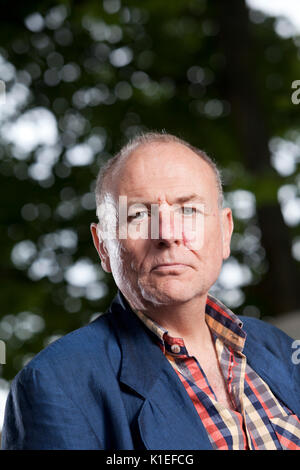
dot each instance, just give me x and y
(188, 210)
(138, 216)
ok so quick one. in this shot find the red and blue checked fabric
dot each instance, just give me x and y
(258, 420)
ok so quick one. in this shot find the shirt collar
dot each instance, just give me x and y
(223, 323)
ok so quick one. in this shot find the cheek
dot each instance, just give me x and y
(202, 232)
(138, 231)
(205, 238)
(131, 254)
(193, 234)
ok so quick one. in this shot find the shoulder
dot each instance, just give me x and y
(54, 394)
(261, 327)
(266, 334)
(80, 349)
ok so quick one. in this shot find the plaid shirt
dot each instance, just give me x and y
(259, 421)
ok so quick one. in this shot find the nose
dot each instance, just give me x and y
(169, 230)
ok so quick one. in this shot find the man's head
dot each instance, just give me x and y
(161, 171)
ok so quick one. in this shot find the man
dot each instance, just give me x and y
(168, 366)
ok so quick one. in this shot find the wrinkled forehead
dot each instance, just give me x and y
(160, 167)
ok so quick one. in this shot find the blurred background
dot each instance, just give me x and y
(78, 79)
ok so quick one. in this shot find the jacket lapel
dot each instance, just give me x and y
(168, 419)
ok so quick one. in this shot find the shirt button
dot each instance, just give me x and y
(175, 348)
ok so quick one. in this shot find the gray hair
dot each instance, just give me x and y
(143, 139)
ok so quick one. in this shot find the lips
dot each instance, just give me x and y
(168, 266)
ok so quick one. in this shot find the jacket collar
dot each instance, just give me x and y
(138, 348)
(168, 414)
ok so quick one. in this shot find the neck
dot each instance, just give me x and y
(185, 320)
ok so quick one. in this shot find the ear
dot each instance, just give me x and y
(227, 229)
(101, 248)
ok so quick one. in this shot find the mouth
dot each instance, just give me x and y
(170, 267)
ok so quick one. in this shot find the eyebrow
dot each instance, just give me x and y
(190, 197)
(179, 200)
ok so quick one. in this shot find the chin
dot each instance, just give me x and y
(167, 294)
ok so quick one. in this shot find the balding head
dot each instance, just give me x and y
(109, 171)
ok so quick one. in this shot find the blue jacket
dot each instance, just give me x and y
(107, 385)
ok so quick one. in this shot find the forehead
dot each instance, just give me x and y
(164, 168)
